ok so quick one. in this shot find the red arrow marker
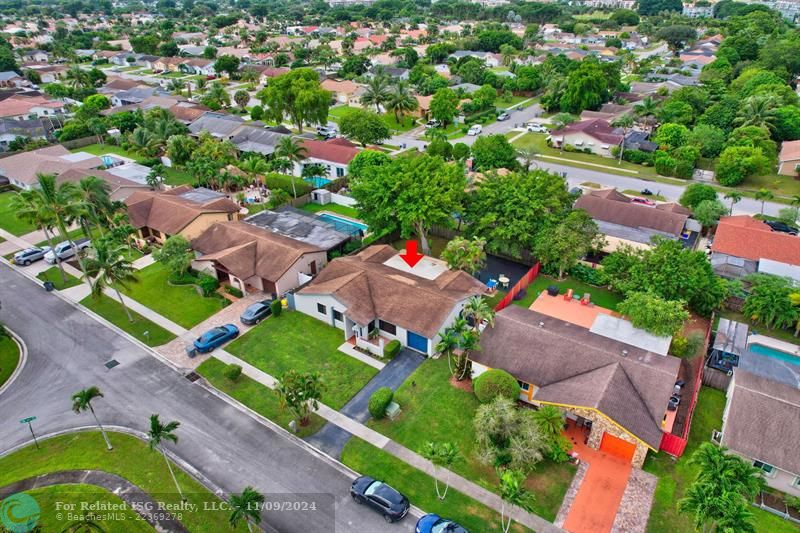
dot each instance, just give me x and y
(411, 257)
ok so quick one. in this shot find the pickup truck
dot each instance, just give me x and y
(65, 250)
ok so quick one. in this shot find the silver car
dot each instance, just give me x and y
(30, 255)
(66, 250)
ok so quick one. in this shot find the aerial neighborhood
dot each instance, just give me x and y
(383, 265)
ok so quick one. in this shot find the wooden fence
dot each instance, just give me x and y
(716, 379)
(522, 284)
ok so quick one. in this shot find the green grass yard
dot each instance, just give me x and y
(336, 113)
(333, 208)
(675, 476)
(432, 409)
(419, 487)
(8, 218)
(297, 341)
(130, 459)
(102, 149)
(53, 274)
(9, 358)
(602, 297)
(437, 244)
(113, 311)
(181, 303)
(256, 396)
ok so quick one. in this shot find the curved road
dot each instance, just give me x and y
(68, 351)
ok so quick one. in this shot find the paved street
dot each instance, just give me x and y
(68, 350)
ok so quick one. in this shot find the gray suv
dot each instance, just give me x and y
(30, 255)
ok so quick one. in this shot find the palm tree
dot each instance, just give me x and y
(377, 92)
(82, 400)
(550, 420)
(78, 77)
(758, 110)
(795, 199)
(157, 435)
(110, 268)
(29, 206)
(200, 85)
(153, 178)
(735, 197)
(646, 109)
(401, 102)
(513, 491)
(246, 505)
(289, 149)
(528, 155)
(763, 196)
(442, 455)
(448, 342)
(253, 165)
(96, 193)
(626, 123)
(479, 311)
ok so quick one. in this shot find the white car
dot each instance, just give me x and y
(65, 250)
(433, 123)
(536, 128)
(476, 129)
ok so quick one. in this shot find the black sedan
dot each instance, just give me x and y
(256, 312)
(381, 497)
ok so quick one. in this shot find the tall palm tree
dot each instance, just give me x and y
(29, 206)
(288, 148)
(528, 156)
(479, 311)
(646, 110)
(735, 197)
(110, 268)
(758, 110)
(513, 492)
(246, 505)
(157, 435)
(253, 165)
(64, 202)
(96, 193)
(82, 400)
(448, 342)
(442, 455)
(626, 123)
(795, 199)
(401, 102)
(763, 196)
(377, 92)
(78, 77)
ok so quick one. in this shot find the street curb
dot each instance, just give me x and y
(23, 359)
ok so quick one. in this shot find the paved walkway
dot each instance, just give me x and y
(331, 439)
(350, 350)
(138, 500)
(598, 499)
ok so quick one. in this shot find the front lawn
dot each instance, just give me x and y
(112, 311)
(256, 396)
(53, 274)
(600, 296)
(8, 218)
(419, 487)
(336, 113)
(434, 410)
(333, 208)
(9, 358)
(130, 459)
(103, 149)
(299, 342)
(180, 303)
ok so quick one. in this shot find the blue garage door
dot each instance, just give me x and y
(417, 342)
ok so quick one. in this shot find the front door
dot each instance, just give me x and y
(313, 268)
(417, 342)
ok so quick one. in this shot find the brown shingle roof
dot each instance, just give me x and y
(617, 208)
(744, 236)
(25, 166)
(246, 250)
(169, 212)
(762, 421)
(573, 366)
(790, 150)
(373, 290)
(597, 128)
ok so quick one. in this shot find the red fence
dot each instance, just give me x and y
(674, 444)
(523, 283)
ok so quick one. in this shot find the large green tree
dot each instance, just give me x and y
(493, 151)
(653, 313)
(298, 95)
(587, 88)
(696, 193)
(444, 105)
(769, 301)
(562, 244)
(366, 127)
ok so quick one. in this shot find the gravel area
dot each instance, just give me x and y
(634, 509)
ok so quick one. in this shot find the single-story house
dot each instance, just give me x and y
(135, 95)
(376, 291)
(38, 56)
(188, 112)
(10, 78)
(256, 139)
(180, 211)
(620, 389)
(220, 125)
(342, 92)
(21, 169)
(760, 423)
(491, 60)
(200, 66)
(789, 159)
(744, 245)
(301, 226)
(597, 135)
(334, 154)
(10, 129)
(256, 259)
(118, 85)
(638, 140)
(266, 72)
(19, 107)
(121, 188)
(623, 221)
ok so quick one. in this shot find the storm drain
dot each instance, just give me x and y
(192, 376)
(111, 364)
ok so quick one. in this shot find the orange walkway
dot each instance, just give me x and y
(595, 506)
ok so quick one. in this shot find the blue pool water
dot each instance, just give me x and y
(350, 227)
(775, 354)
(317, 181)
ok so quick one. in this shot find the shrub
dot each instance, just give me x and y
(392, 348)
(276, 307)
(587, 274)
(494, 383)
(232, 372)
(665, 164)
(638, 157)
(235, 291)
(282, 181)
(683, 170)
(207, 283)
(379, 401)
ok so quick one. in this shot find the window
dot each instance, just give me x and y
(524, 386)
(796, 482)
(767, 468)
(339, 172)
(321, 309)
(337, 315)
(388, 327)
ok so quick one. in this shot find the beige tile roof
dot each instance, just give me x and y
(49, 160)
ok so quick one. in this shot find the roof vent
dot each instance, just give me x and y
(624, 353)
(541, 324)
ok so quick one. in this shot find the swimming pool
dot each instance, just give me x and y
(344, 225)
(317, 181)
(774, 353)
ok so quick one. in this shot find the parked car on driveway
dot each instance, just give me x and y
(30, 255)
(215, 337)
(433, 123)
(503, 116)
(326, 131)
(381, 497)
(535, 127)
(476, 129)
(65, 250)
(256, 312)
(433, 523)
